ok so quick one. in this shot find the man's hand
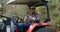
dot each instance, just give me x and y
(32, 17)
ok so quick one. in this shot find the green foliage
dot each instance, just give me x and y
(54, 8)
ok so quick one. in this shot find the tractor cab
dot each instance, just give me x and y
(35, 27)
(35, 3)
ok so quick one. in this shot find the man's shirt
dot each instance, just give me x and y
(28, 19)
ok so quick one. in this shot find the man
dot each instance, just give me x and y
(34, 16)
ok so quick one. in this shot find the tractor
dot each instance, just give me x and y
(37, 27)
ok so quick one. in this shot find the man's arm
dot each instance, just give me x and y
(32, 17)
(25, 20)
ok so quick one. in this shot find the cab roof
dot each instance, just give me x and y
(28, 2)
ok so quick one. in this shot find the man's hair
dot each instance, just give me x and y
(32, 7)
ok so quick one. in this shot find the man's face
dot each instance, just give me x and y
(33, 10)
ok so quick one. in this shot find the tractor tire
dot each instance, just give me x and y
(44, 30)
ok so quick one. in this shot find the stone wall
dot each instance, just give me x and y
(16, 10)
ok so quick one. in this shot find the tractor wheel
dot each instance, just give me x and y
(44, 30)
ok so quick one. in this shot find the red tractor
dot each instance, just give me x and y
(35, 27)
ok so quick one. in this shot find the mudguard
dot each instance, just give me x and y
(30, 29)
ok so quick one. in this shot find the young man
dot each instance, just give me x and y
(34, 16)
